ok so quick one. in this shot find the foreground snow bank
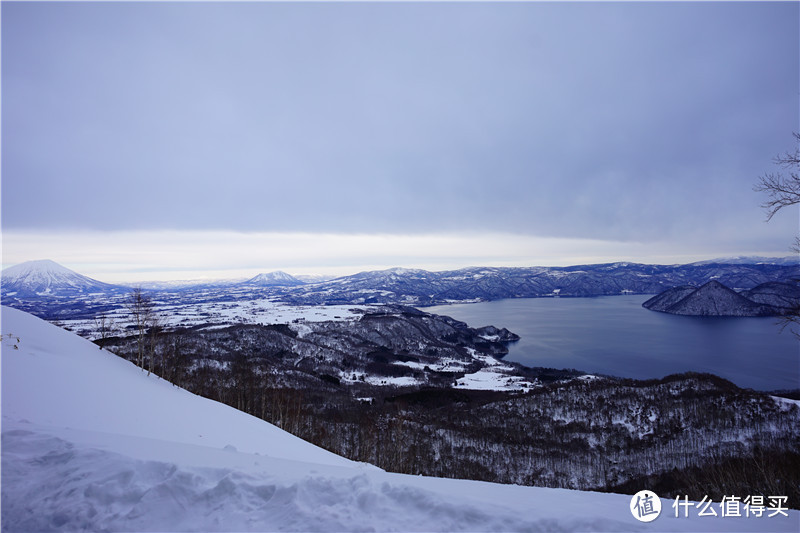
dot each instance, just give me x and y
(53, 377)
(89, 442)
(50, 481)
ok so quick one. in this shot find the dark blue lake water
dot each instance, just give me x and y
(615, 335)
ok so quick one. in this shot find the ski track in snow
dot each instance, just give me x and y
(90, 442)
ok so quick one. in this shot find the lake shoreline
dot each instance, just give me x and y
(615, 336)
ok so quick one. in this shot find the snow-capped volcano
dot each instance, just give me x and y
(273, 279)
(48, 278)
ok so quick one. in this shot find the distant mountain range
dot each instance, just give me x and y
(43, 282)
(715, 299)
(420, 287)
(277, 278)
(47, 279)
(752, 260)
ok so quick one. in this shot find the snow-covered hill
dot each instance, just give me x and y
(90, 442)
(712, 299)
(273, 279)
(781, 295)
(48, 278)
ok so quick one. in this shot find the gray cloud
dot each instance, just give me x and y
(619, 121)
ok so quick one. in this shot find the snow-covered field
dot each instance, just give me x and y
(215, 314)
(90, 442)
(494, 376)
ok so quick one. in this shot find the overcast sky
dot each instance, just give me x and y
(164, 140)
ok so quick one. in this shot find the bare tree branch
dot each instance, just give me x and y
(782, 190)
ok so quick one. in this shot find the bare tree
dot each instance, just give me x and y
(106, 326)
(140, 306)
(783, 190)
(175, 360)
(155, 328)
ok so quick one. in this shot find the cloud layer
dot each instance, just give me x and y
(623, 122)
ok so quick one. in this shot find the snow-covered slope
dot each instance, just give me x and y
(90, 442)
(56, 378)
(48, 278)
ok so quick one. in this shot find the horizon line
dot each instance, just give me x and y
(240, 278)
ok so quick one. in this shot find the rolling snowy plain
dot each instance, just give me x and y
(91, 442)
